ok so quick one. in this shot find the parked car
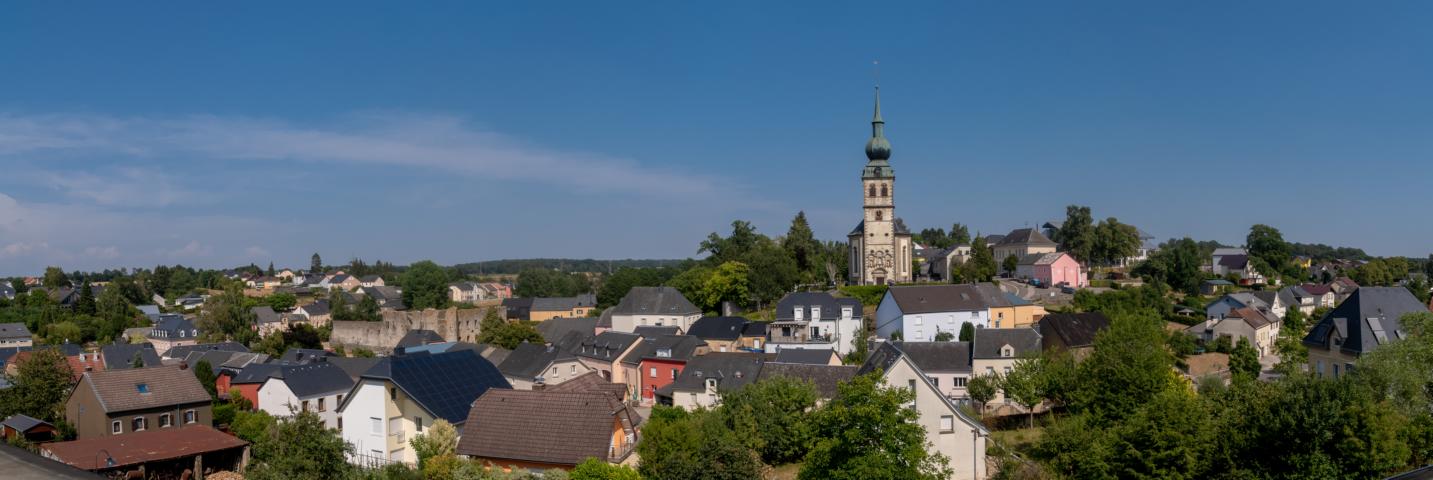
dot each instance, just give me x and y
(1067, 289)
(1035, 282)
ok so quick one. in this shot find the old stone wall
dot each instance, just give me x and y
(452, 324)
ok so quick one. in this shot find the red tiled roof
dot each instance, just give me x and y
(141, 447)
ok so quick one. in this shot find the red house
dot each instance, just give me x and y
(657, 361)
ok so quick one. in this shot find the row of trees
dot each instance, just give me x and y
(867, 432)
(1104, 243)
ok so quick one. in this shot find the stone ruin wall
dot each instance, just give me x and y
(452, 324)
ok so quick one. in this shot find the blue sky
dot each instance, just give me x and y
(215, 135)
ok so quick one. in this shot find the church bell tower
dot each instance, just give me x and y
(880, 245)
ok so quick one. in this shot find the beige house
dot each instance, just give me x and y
(15, 335)
(1260, 327)
(706, 377)
(1368, 318)
(948, 430)
(603, 352)
(562, 307)
(533, 363)
(945, 364)
(994, 351)
(1021, 242)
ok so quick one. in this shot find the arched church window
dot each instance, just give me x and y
(883, 190)
(878, 215)
(873, 190)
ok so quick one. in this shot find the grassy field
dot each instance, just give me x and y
(1019, 440)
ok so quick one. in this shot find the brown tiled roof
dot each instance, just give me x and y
(140, 447)
(542, 426)
(591, 382)
(118, 390)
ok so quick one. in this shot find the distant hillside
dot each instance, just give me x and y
(512, 266)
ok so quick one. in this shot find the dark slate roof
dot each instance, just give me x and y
(826, 377)
(988, 341)
(216, 359)
(1025, 236)
(119, 356)
(445, 384)
(947, 298)
(493, 353)
(174, 324)
(303, 355)
(606, 346)
(717, 328)
(898, 224)
(882, 358)
(318, 307)
(562, 428)
(265, 314)
(419, 337)
(730, 369)
(1074, 329)
(810, 356)
(14, 330)
(1268, 296)
(258, 373)
(183, 351)
(1368, 318)
(529, 360)
(654, 301)
(354, 366)
(553, 330)
(1236, 262)
(755, 329)
(681, 347)
(316, 379)
(562, 304)
(939, 356)
(830, 306)
(23, 423)
(656, 330)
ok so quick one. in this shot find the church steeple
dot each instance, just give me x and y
(878, 149)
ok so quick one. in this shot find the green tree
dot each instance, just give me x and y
(1077, 234)
(1177, 264)
(944, 336)
(959, 234)
(981, 266)
(1009, 264)
(315, 263)
(55, 278)
(690, 282)
(86, 304)
(64, 332)
(1114, 241)
(1375, 273)
(870, 432)
(438, 439)
(730, 282)
(594, 469)
(204, 372)
(682, 445)
(1128, 366)
(967, 331)
(40, 385)
(773, 416)
(1025, 384)
(742, 240)
(227, 316)
(1244, 360)
(281, 301)
(1268, 251)
(425, 285)
(496, 331)
(300, 447)
(803, 248)
(982, 388)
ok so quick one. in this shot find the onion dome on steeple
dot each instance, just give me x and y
(878, 149)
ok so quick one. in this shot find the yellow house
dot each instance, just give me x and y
(1021, 314)
(562, 307)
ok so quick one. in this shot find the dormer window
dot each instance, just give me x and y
(1007, 351)
(797, 314)
(846, 312)
(816, 312)
(664, 352)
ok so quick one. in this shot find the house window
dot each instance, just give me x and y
(340, 423)
(816, 312)
(947, 423)
(797, 314)
(1007, 371)
(321, 406)
(393, 393)
(375, 425)
(137, 424)
(190, 417)
(935, 381)
(340, 399)
(920, 320)
(114, 427)
(694, 399)
(418, 422)
(305, 406)
(165, 421)
(674, 374)
(959, 381)
(990, 370)
(654, 372)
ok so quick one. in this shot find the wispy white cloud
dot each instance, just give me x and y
(443, 143)
(124, 186)
(192, 249)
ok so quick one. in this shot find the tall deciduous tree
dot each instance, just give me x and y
(41, 382)
(981, 266)
(982, 388)
(300, 446)
(425, 285)
(226, 316)
(1025, 384)
(1077, 234)
(869, 432)
(1244, 360)
(730, 282)
(1114, 241)
(773, 416)
(55, 278)
(959, 234)
(1268, 250)
(1177, 264)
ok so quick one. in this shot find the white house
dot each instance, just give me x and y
(948, 430)
(815, 320)
(922, 312)
(316, 387)
(402, 394)
(650, 306)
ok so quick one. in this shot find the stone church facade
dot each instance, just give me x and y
(881, 244)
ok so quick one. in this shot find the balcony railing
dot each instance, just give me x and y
(618, 454)
(397, 436)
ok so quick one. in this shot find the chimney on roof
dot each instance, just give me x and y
(183, 366)
(539, 386)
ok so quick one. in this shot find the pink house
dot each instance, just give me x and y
(1053, 269)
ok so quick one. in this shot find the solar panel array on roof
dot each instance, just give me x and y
(446, 383)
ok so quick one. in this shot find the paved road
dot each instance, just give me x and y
(1044, 296)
